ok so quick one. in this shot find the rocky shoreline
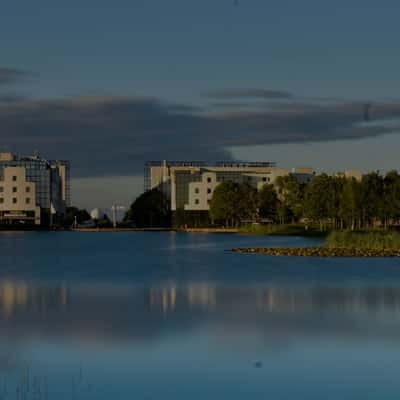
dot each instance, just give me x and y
(319, 252)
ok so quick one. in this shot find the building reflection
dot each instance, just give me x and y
(19, 296)
(116, 312)
(276, 299)
(194, 296)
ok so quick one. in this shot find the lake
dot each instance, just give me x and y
(176, 316)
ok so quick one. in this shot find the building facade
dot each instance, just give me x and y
(189, 186)
(33, 191)
(351, 174)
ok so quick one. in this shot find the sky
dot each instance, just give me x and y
(109, 85)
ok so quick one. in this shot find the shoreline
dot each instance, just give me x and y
(318, 252)
(118, 230)
(184, 230)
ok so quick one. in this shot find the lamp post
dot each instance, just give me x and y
(114, 209)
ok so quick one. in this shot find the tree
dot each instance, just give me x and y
(75, 214)
(232, 202)
(349, 204)
(320, 200)
(372, 199)
(391, 184)
(150, 210)
(291, 196)
(268, 202)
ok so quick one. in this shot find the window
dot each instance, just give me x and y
(14, 178)
(27, 189)
(1, 189)
(197, 190)
(264, 179)
(14, 189)
(209, 190)
(209, 180)
(1, 200)
(14, 200)
(27, 200)
(196, 201)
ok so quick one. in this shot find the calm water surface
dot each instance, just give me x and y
(175, 316)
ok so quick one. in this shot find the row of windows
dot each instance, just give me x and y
(197, 190)
(15, 189)
(197, 201)
(15, 200)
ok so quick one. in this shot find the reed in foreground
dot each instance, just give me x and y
(281, 230)
(364, 240)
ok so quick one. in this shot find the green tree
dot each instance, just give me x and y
(291, 196)
(372, 199)
(391, 205)
(75, 214)
(320, 200)
(349, 204)
(150, 210)
(268, 203)
(232, 202)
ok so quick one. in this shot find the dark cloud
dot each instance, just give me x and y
(115, 135)
(11, 98)
(250, 93)
(11, 75)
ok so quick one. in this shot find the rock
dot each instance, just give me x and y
(320, 252)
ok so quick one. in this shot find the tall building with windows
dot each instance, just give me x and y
(189, 185)
(33, 191)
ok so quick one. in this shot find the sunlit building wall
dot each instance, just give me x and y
(33, 190)
(189, 185)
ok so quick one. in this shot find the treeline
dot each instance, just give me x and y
(150, 210)
(329, 201)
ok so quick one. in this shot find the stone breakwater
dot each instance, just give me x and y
(319, 252)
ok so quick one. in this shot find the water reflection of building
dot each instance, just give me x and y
(202, 295)
(164, 298)
(19, 296)
(167, 299)
(302, 299)
(116, 312)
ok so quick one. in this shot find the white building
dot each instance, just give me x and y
(190, 185)
(32, 190)
(357, 175)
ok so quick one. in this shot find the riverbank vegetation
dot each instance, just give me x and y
(379, 240)
(282, 230)
(289, 206)
(330, 202)
(377, 243)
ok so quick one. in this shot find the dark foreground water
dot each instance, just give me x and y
(174, 316)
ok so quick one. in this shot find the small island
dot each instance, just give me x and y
(340, 244)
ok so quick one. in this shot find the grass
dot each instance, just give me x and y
(377, 239)
(282, 230)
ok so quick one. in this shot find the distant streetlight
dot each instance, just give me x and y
(114, 209)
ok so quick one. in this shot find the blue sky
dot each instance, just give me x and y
(180, 53)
